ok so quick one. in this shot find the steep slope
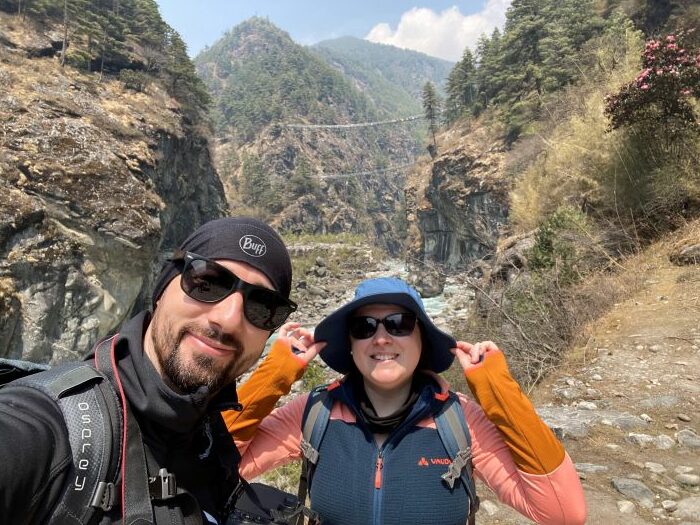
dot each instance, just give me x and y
(97, 180)
(391, 77)
(459, 200)
(625, 402)
(313, 179)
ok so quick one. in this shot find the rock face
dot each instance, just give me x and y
(461, 204)
(97, 182)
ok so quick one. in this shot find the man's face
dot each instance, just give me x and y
(194, 344)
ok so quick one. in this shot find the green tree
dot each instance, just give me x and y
(431, 109)
(255, 185)
(461, 88)
(302, 182)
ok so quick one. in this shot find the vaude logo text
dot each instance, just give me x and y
(252, 245)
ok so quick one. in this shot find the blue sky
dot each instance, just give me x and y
(438, 27)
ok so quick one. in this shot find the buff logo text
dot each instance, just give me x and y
(252, 245)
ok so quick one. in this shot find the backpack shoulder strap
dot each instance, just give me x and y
(454, 433)
(314, 423)
(11, 369)
(92, 416)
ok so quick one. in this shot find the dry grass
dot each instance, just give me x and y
(538, 318)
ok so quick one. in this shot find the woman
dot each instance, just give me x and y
(381, 459)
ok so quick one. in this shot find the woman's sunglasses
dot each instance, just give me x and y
(398, 325)
(208, 282)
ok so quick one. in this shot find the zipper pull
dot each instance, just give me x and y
(378, 473)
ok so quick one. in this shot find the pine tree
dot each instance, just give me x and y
(461, 88)
(431, 109)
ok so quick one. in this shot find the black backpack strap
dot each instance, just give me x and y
(11, 369)
(454, 434)
(90, 411)
(135, 483)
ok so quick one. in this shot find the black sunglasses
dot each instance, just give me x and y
(208, 282)
(398, 325)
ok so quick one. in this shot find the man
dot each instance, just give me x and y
(215, 304)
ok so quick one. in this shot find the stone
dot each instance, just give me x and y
(687, 438)
(669, 505)
(685, 255)
(634, 489)
(659, 402)
(688, 509)
(646, 417)
(590, 468)
(587, 405)
(657, 468)
(596, 377)
(664, 442)
(625, 507)
(689, 480)
(684, 417)
(683, 469)
(489, 507)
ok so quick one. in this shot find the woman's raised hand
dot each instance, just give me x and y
(470, 355)
(302, 341)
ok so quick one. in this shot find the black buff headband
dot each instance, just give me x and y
(242, 239)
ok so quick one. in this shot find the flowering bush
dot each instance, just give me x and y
(661, 93)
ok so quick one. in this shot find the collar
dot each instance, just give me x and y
(153, 402)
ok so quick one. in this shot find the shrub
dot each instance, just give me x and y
(658, 100)
(135, 80)
(556, 244)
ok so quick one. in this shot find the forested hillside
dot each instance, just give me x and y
(309, 178)
(258, 76)
(391, 77)
(595, 130)
(122, 37)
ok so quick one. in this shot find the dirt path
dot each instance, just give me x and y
(627, 404)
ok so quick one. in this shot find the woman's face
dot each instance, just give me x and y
(386, 361)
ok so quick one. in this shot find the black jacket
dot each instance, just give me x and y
(183, 433)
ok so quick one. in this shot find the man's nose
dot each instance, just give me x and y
(228, 314)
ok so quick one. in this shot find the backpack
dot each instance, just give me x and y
(95, 419)
(451, 426)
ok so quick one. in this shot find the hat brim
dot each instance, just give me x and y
(334, 331)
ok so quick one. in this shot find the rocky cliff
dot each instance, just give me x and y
(458, 202)
(97, 182)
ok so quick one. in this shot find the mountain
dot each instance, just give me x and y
(302, 179)
(258, 75)
(391, 77)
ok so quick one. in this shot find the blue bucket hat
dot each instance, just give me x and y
(384, 290)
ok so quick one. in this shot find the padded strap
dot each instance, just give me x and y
(88, 405)
(454, 433)
(317, 413)
(136, 501)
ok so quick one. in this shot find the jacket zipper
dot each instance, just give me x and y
(378, 472)
(377, 504)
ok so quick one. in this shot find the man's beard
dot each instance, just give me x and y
(203, 370)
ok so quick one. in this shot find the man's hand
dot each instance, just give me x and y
(302, 341)
(470, 355)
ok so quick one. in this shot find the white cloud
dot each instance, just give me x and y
(443, 35)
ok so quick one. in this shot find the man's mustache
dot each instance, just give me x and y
(223, 338)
